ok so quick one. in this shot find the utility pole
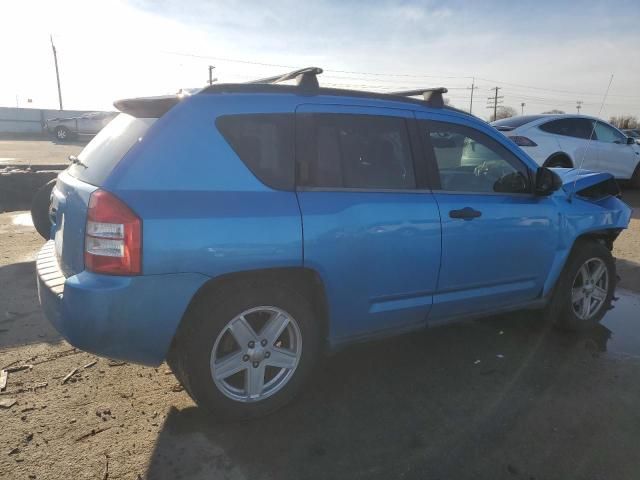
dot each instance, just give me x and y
(522, 105)
(496, 99)
(211, 79)
(473, 87)
(55, 60)
(579, 105)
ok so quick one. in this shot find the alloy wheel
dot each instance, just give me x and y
(589, 289)
(256, 354)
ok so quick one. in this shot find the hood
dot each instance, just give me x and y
(583, 179)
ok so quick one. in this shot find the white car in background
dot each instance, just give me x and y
(573, 141)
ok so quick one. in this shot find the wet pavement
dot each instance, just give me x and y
(623, 323)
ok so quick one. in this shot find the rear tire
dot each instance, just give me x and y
(40, 209)
(63, 134)
(215, 323)
(585, 288)
(635, 178)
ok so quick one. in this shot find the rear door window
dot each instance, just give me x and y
(107, 148)
(265, 143)
(569, 127)
(354, 151)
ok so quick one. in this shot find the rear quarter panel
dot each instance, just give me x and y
(202, 210)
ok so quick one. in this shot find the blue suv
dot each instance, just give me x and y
(242, 231)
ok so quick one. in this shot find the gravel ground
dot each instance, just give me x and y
(498, 398)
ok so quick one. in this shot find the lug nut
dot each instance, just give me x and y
(267, 354)
(263, 343)
(255, 364)
(252, 344)
(245, 358)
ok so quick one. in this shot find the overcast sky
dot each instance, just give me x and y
(547, 54)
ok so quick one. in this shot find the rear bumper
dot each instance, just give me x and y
(128, 318)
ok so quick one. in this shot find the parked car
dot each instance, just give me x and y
(243, 231)
(573, 141)
(91, 123)
(633, 133)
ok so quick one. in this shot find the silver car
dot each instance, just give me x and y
(86, 124)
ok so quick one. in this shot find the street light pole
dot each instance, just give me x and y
(55, 60)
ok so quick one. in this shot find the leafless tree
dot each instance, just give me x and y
(503, 112)
(624, 121)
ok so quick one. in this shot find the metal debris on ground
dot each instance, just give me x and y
(93, 432)
(7, 402)
(3, 379)
(106, 468)
(18, 368)
(116, 364)
(90, 364)
(501, 332)
(499, 355)
(476, 362)
(69, 375)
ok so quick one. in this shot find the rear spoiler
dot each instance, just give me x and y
(148, 107)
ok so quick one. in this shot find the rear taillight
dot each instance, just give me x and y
(523, 141)
(113, 236)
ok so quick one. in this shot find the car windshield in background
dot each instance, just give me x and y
(106, 149)
(514, 122)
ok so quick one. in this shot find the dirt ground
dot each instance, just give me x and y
(497, 398)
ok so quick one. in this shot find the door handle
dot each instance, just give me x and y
(467, 213)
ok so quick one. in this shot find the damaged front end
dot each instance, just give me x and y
(590, 205)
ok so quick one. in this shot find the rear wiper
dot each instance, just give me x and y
(76, 161)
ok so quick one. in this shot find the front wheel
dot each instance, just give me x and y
(246, 354)
(585, 290)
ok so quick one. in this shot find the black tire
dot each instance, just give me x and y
(558, 161)
(635, 178)
(206, 319)
(63, 134)
(40, 209)
(561, 308)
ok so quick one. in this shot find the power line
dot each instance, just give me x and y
(405, 75)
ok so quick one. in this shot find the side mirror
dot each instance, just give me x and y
(547, 181)
(631, 140)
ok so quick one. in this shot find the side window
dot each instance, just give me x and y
(470, 161)
(354, 151)
(265, 143)
(569, 127)
(605, 133)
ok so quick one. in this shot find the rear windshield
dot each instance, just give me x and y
(515, 122)
(103, 153)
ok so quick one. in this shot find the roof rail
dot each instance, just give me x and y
(305, 77)
(433, 96)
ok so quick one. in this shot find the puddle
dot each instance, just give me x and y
(624, 324)
(22, 219)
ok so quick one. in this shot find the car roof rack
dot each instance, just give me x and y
(433, 96)
(306, 78)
